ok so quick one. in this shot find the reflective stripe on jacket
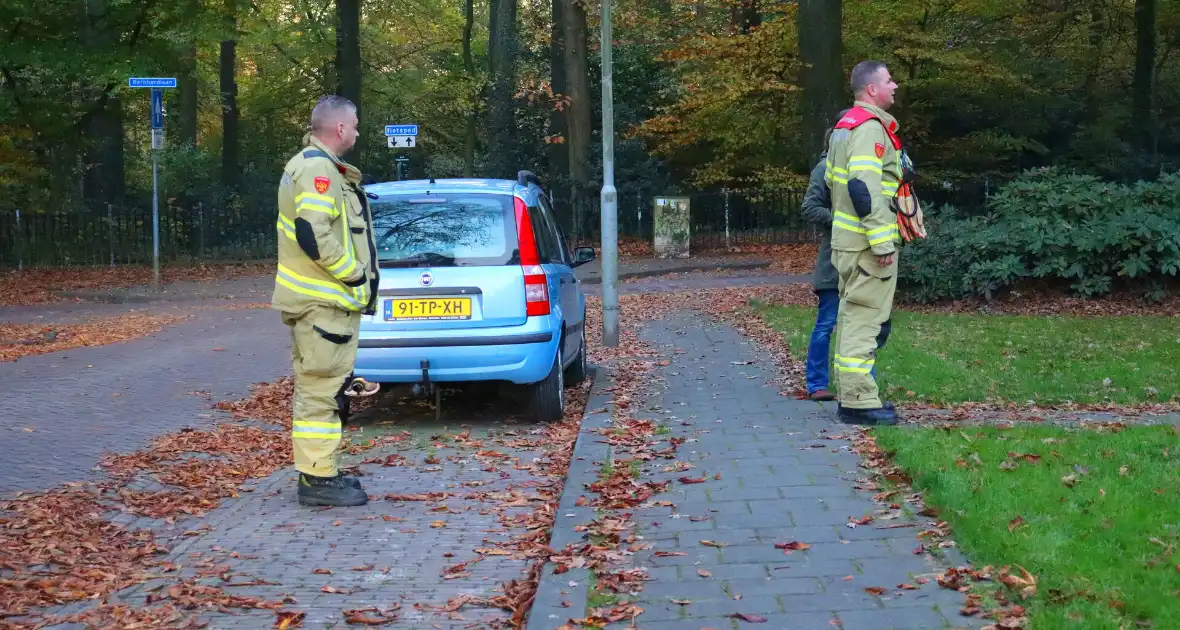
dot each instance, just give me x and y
(326, 253)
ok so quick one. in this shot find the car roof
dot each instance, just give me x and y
(467, 184)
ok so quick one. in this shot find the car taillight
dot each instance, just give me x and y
(536, 285)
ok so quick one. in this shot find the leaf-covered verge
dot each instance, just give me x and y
(23, 340)
(1056, 229)
(943, 359)
(28, 287)
(1073, 528)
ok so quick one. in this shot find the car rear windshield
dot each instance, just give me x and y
(441, 229)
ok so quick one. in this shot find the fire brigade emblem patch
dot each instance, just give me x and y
(878, 148)
(321, 184)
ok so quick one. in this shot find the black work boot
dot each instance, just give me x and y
(878, 416)
(350, 480)
(330, 491)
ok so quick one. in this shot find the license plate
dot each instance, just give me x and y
(427, 309)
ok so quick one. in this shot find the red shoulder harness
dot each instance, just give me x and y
(858, 115)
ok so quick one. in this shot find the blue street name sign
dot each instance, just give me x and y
(401, 130)
(151, 82)
(157, 108)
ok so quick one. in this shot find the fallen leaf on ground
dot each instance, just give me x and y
(289, 619)
(1025, 582)
(359, 616)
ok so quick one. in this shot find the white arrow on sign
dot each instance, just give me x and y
(401, 141)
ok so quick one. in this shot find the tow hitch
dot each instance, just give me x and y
(427, 388)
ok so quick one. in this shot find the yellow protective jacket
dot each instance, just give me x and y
(326, 251)
(863, 171)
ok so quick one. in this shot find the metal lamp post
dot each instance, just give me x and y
(610, 197)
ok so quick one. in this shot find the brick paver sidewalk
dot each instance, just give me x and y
(433, 548)
(787, 474)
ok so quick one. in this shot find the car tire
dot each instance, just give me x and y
(547, 402)
(576, 372)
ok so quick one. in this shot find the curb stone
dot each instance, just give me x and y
(547, 611)
(119, 297)
(648, 273)
(137, 295)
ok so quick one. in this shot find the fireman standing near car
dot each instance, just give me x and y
(864, 173)
(326, 279)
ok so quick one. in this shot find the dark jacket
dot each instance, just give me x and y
(817, 208)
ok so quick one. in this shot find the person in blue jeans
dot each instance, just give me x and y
(817, 208)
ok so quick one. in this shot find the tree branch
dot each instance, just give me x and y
(314, 76)
(94, 109)
(135, 33)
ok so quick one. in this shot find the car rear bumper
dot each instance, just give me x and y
(519, 355)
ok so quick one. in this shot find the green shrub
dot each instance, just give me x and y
(1053, 226)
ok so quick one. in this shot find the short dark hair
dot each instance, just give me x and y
(863, 74)
(832, 127)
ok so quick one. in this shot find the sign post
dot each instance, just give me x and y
(401, 137)
(157, 85)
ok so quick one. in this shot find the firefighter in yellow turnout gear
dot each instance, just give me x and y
(326, 280)
(863, 171)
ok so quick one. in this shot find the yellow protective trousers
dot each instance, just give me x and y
(866, 302)
(323, 355)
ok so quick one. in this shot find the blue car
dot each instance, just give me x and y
(477, 284)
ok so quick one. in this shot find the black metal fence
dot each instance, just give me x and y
(719, 220)
(113, 235)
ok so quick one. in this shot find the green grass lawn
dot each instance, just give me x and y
(957, 358)
(1094, 516)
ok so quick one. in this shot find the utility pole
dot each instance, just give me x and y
(610, 196)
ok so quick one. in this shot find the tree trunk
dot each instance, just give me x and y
(502, 50)
(580, 108)
(103, 181)
(469, 66)
(229, 102)
(558, 152)
(820, 44)
(1143, 84)
(186, 125)
(348, 61)
(1097, 37)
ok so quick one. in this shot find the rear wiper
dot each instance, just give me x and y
(418, 260)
